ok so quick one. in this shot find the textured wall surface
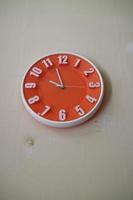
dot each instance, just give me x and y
(93, 161)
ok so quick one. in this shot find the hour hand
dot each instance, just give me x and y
(56, 84)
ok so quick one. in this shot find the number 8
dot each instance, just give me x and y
(33, 99)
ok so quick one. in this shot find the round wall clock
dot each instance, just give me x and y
(62, 89)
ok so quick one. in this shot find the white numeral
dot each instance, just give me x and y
(30, 85)
(79, 110)
(47, 62)
(77, 62)
(94, 84)
(63, 59)
(35, 71)
(62, 115)
(33, 99)
(47, 108)
(87, 72)
(91, 99)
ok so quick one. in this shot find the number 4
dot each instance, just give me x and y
(91, 99)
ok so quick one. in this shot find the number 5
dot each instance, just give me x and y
(79, 110)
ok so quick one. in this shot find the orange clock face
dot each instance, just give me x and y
(62, 89)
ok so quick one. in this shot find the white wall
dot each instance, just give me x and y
(93, 161)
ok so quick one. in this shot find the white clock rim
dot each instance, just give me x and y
(63, 124)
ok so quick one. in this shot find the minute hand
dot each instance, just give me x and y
(58, 74)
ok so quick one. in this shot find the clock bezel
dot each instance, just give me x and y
(62, 124)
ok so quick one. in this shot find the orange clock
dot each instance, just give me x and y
(62, 89)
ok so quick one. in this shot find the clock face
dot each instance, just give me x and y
(62, 89)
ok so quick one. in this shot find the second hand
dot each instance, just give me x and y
(74, 86)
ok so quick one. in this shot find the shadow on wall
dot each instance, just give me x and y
(107, 89)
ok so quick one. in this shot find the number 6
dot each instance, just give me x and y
(62, 115)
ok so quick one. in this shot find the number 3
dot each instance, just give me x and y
(94, 84)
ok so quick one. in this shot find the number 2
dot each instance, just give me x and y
(89, 71)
